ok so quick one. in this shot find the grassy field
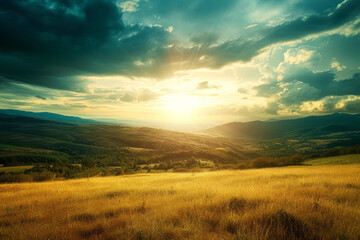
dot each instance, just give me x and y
(344, 159)
(307, 202)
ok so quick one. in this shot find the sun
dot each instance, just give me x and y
(180, 103)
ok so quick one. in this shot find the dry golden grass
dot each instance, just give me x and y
(313, 202)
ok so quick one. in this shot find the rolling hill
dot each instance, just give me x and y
(28, 140)
(112, 143)
(336, 160)
(337, 125)
(46, 116)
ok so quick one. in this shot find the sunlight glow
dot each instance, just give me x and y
(180, 103)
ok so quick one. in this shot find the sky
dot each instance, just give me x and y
(182, 62)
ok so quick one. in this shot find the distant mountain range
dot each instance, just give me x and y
(72, 137)
(47, 116)
(334, 126)
(27, 140)
(326, 126)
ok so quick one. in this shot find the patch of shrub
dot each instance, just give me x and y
(15, 177)
(331, 152)
(43, 176)
(282, 225)
(265, 162)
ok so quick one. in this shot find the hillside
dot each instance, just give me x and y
(336, 160)
(46, 116)
(112, 144)
(27, 140)
(339, 126)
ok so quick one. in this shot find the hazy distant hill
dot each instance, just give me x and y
(47, 140)
(47, 116)
(308, 127)
(112, 142)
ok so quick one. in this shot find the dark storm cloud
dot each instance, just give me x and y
(304, 85)
(200, 10)
(329, 104)
(318, 6)
(245, 50)
(206, 53)
(347, 105)
(9, 89)
(346, 87)
(49, 43)
(345, 49)
(43, 26)
(319, 80)
(53, 43)
(302, 27)
(352, 106)
(326, 84)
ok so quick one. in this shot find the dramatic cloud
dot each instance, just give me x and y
(304, 85)
(245, 50)
(351, 106)
(240, 58)
(52, 44)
